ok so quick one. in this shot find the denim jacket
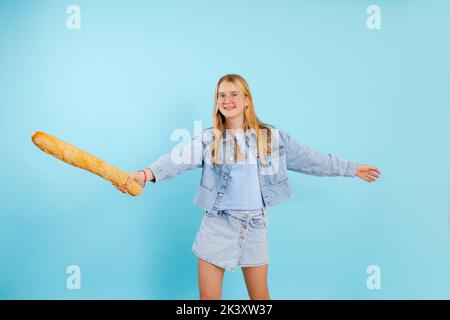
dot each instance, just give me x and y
(287, 154)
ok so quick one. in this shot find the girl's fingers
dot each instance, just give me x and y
(375, 169)
(129, 179)
(369, 176)
(121, 189)
(373, 174)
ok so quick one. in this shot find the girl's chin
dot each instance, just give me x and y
(229, 113)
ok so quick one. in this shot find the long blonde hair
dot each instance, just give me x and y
(251, 121)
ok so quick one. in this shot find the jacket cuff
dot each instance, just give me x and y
(157, 172)
(351, 169)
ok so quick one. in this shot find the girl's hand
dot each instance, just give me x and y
(368, 173)
(136, 176)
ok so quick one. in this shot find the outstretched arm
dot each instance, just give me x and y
(303, 159)
(171, 164)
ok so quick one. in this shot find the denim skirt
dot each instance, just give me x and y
(233, 238)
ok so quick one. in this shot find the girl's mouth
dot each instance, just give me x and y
(229, 108)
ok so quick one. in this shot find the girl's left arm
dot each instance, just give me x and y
(303, 159)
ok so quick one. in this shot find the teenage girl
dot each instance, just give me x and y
(244, 170)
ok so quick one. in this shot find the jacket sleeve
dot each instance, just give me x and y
(173, 163)
(303, 159)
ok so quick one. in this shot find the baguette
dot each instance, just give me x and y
(81, 159)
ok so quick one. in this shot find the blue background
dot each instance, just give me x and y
(137, 70)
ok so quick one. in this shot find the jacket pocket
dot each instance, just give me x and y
(276, 169)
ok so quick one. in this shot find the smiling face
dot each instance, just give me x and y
(231, 101)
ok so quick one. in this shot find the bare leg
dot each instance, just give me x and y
(210, 279)
(256, 282)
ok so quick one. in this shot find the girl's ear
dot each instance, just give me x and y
(246, 101)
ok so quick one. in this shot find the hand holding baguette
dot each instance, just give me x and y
(141, 177)
(81, 159)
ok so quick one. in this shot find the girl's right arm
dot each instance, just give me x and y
(171, 164)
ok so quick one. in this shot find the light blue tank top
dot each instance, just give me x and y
(243, 191)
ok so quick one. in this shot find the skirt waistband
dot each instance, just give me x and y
(244, 214)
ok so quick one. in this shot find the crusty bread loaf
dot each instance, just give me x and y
(81, 159)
